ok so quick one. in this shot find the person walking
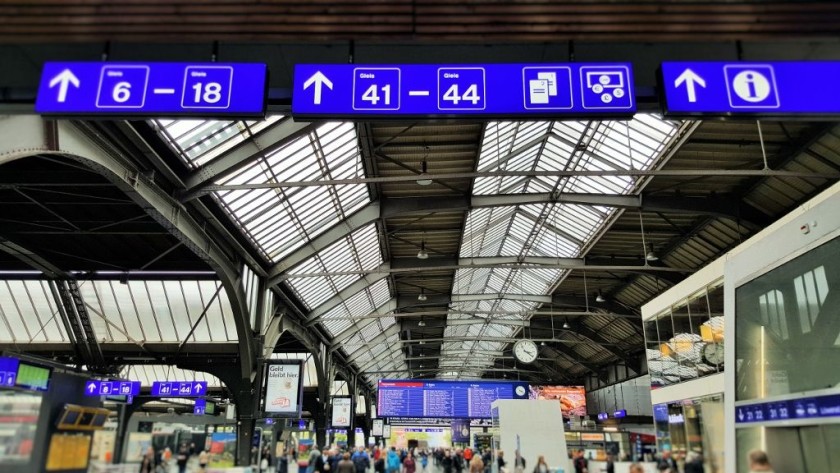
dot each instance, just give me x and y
(392, 461)
(345, 465)
(203, 460)
(541, 466)
(477, 465)
(759, 462)
(147, 463)
(360, 460)
(182, 457)
(580, 463)
(409, 464)
(518, 463)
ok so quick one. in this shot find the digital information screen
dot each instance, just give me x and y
(449, 399)
(33, 377)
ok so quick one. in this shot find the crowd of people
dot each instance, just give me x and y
(416, 460)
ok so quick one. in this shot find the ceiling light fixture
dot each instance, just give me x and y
(651, 256)
(422, 323)
(566, 324)
(600, 298)
(422, 254)
(423, 172)
(422, 297)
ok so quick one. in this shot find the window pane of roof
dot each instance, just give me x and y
(280, 220)
(28, 313)
(199, 141)
(358, 251)
(158, 311)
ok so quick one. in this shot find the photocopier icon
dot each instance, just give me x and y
(543, 87)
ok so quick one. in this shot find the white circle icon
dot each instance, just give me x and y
(751, 86)
(520, 390)
(597, 88)
(606, 98)
(604, 79)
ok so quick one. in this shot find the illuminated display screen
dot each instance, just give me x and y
(459, 399)
(33, 377)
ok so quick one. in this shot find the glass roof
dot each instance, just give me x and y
(546, 230)
(279, 220)
(346, 315)
(159, 311)
(147, 374)
(197, 142)
(28, 313)
(282, 220)
(358, 251)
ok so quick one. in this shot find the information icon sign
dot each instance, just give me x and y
(751, 86)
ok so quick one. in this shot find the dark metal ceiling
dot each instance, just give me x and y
(435, 20)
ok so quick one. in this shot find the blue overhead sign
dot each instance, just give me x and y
(199, 407)
(791, 409)
(8, 371)
(112, 388)
(750, 88)
(494, 90)
(152, 89)
(179, 388)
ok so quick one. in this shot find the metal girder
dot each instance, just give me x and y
(571, 356)
(130, 353)
(538, 173)
(510, 262)
(359, 219)
(263, 143)
(586, 332)
(25, 135)
(343, 295)
(32, 259)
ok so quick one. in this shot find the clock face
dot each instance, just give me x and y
(520, 390)
(713, 353)
(525, 351)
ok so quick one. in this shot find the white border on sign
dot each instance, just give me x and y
(102, 78)
(216, 107)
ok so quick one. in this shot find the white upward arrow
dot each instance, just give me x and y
(63, 80)
(197, 388)
(690, 78)
(91, 387)
(319, 80)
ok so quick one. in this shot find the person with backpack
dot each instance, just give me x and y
(392, 461)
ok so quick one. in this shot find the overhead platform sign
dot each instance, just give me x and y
(112, 388)
(179, 388)
(152, 89)
(350, 91)
(751, 88)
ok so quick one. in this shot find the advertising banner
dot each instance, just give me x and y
(572, 398)
(283, 388)
(342, 410)
(376, 429)
(461, 430)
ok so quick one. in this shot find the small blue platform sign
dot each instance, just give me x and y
(789, 409)
(152, 89)
(8, 371)
(112, 388)
(199, 407)
(179, 388)
(751, 88)
(490, 90)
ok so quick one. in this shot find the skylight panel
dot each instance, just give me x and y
(358, 251)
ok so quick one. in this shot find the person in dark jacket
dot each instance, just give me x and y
(694, 463)
(345, 465)
(147, 464)
(447, 462)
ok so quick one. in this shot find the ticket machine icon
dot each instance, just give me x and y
(606, 87)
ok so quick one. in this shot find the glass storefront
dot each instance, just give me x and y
(788, 326)
(685, 342)
(694, 425)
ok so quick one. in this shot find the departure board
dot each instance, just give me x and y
(444, 399)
